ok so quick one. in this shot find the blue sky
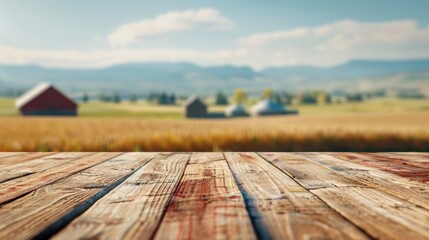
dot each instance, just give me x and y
(258, 33)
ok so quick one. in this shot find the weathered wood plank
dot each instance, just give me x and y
(395, 166)
(380, 214)
(26, 168)
(420, 154)
(414, 192)
(283, 207)
(406, 159)
(207, 204)
(18, 187)
(9, 154)
(23, 157)
(134, 209)
(49, 207)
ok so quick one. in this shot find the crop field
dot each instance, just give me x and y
(383, 125)
(369, 132)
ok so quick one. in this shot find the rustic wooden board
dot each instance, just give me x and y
(395, 166)
(406, 159)
(18, 187)
(207, 204)
(381, 215)
(135, 208)
(214, 195)
(24, 157)
(9, 154)
(417, 154)
(283, 207)
(51, 206)
(26, 168)
(414, 192)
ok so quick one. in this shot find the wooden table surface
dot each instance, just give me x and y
(214, 195)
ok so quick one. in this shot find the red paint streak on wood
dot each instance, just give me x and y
(195, 198)
(397, 166)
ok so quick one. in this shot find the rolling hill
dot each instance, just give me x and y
(188, 78)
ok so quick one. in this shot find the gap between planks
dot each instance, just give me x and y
(378, 213)
(51, 207)
(134, 209)
(281, 199)
(285, 208)
(16, 188)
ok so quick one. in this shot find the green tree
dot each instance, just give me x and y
(104, 97)
(172, 99)
(309, 98)
(267, 93)
(85, 98)
(163, 99)
(221, 99)
(116, 98)
(355, 97)
(240, 96)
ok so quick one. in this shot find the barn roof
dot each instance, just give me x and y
(32, 93)
(192, 100)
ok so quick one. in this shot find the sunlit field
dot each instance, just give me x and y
(380, 125)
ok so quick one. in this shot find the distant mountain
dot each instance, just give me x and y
(188, 78)
(352, 70)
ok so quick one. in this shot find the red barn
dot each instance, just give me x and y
(45, 99)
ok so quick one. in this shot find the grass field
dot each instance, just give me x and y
(378, 125)
(146, 110)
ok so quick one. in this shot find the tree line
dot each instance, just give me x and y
(241, 96)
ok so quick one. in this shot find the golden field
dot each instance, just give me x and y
(349, 132)
(375, 125)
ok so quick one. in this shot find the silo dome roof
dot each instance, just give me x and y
(235, 110)
(267, 107)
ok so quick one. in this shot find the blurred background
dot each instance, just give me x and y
(255, 75)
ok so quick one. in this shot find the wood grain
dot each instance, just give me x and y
(134, 209)
(49, 205)
(18, 187)
(414, 192)
(26, 168)
(406, 159)
(283, 207)
(381, 215)
(391, 165)
(23, 157)
(9, 154)
(207, 204)
(214, 196)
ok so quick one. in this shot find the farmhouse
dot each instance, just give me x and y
(269, 107)
(45, 99)
(195, 108)
(236, 110)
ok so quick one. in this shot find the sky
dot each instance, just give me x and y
(255, 33)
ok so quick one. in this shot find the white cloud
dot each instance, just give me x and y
(324, 45)
(193, 19)
(338, 42)
(102, 58)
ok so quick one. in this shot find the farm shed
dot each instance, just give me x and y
(236, 110)
(45, 99)
(269, 107)
(195, 108)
